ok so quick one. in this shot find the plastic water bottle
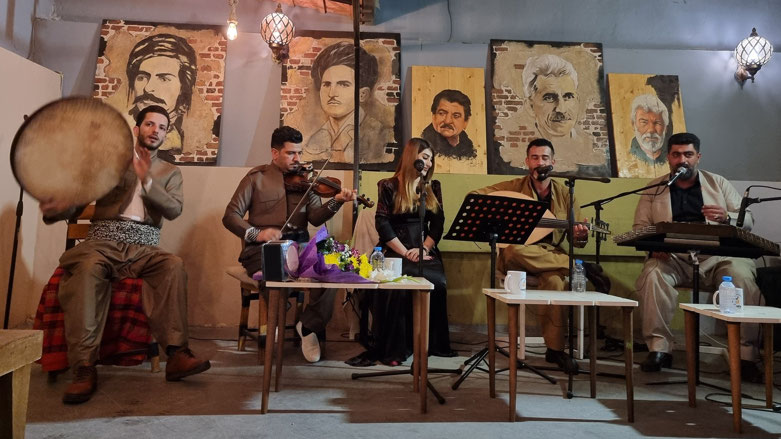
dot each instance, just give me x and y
(727, 293)
(377, 259)
(579, 277)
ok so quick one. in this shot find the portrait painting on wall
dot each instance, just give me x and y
(318, 98)
(448, 110)
(179, 67)
(645, 111)
(554, 91)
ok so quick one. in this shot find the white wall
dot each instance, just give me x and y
(16, 25)
(25, 87)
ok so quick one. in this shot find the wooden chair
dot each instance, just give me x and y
(126, 338)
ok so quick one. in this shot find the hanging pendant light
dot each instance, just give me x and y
(233, 21)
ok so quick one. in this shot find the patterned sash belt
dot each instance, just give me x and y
(129, 232)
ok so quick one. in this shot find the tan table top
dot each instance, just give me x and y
(415, 283)
(549, 297)
(750, 314)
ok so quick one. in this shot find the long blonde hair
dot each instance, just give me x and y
(406, 198)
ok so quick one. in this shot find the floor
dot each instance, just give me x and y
(321, 400)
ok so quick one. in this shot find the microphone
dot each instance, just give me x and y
(742, 212)
(419, 165)
(543, 171)
(683, 170)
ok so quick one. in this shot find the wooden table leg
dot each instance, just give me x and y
(279, 335)
(271, 329)
(733, 340)
(593, 351)
(768, 330)
(491, 312)
(14, 391)
(424, 311)
(416, 305)
(512, 323)
(690, 322)
(629, 363)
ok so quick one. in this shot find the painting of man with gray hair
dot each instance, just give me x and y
(649, 119)
(645, 111)
(552, 91)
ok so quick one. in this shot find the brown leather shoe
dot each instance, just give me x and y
(84, 384)
(183, 363)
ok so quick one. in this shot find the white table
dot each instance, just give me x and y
(765, 315)
(546, 297)
(420, 288)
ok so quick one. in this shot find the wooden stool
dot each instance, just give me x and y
(251, 290)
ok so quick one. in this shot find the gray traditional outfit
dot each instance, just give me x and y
(262, 193)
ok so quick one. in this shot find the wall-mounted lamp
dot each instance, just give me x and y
(233, 22)
(277, 30)
(752, 53)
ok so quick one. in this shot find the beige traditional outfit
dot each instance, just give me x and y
(656, 286)
(122, 242)
(545, 260)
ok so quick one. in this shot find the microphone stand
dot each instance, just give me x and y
(597, 205)
(570, 183)
(19, 211)
(421, 219)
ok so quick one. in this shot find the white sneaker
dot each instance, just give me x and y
(310, 346)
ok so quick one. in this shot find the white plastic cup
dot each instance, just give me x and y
(515, 282)
(394, 266)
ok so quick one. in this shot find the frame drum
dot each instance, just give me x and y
(74, 149)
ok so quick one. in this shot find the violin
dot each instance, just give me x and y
(301, 178)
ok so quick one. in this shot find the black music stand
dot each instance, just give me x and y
(495, 219)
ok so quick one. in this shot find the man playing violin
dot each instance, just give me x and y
(544, 259)
(262, 193)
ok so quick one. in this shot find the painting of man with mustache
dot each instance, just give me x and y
(161, 70)
(553, 91)
(645, 110)
(319, 99)
(448, 110)
(178, 67)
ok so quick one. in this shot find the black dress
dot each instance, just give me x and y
(392, 311)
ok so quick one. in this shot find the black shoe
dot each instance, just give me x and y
(364, 359)
(564, 361)
(656, 361)
(750, 373)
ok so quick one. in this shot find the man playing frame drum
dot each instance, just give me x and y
(122, 242)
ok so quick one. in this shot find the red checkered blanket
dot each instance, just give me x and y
(126, 337)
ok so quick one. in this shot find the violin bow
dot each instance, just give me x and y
(308, 190)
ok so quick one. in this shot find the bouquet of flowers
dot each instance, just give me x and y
(346, 258)
(325, 259)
